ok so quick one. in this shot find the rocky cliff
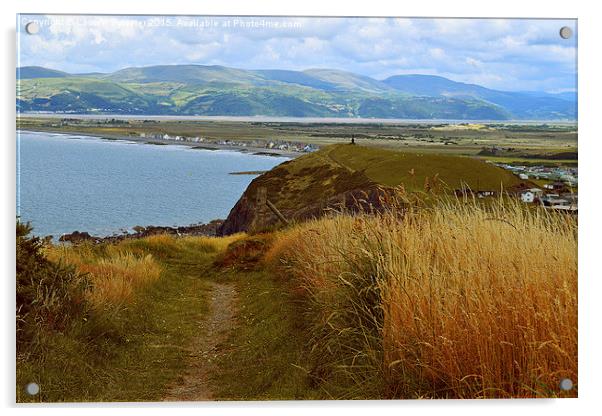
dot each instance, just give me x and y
(301, 189)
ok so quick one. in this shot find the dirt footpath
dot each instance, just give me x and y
(194, 383)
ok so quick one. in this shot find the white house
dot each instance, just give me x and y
(527, 197)
(308, 148)
(523, 176)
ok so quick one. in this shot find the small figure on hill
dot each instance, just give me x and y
(352, 139)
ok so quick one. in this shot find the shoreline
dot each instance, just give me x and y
(209, 229)
(253, 150)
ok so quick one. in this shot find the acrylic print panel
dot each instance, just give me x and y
(262, 208)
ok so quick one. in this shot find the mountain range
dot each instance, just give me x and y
(223, 91)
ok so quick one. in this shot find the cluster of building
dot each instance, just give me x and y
(565, 175)
(557, 201)
(291, 146)
(283, 145)
(556, 193)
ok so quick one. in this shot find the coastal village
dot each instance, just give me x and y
(558, 189)
(282, 145)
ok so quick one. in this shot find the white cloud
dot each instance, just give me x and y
(437, 53)
(473, 62)
(498, 53)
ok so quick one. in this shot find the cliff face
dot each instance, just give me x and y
(301, 189)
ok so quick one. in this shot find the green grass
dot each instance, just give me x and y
(130, 354)
(392, 168)
(265, 354)
(139, 350)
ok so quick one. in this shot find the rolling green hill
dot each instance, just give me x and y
(526, 104)
(189, 74)
(218, 90)
(348, 81)
(390, 168)
(343, 175)
(29, 72)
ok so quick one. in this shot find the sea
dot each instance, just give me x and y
(70, 182)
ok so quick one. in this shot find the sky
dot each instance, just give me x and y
(504, 54)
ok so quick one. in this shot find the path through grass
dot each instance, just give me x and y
(134, 353)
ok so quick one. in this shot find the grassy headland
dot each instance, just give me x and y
(351, 175)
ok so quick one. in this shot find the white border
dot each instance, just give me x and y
(590, 147)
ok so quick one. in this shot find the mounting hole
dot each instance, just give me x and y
(32, 389)
(566, 32)
(32, 28)
(566, 384)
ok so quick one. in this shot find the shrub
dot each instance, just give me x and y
(49, 295)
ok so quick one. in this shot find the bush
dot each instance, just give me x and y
(49, 295)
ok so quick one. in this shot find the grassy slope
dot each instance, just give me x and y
(295, 332)
(329, 172)
(412, 169)
(136, 351)
(140, 350)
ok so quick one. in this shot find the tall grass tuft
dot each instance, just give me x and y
(458, 300)
(116, 271)
(114, 275)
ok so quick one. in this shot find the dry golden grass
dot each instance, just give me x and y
(456, 301)
(162, 245)
(117, 271)
(210, 244)
(114, 277)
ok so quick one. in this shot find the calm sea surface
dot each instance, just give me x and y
(69, 182)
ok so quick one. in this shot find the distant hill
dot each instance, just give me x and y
(187, 74)
(219, 90)
(29, 72)
(529, 105)
(345, 175)
(347, 81)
